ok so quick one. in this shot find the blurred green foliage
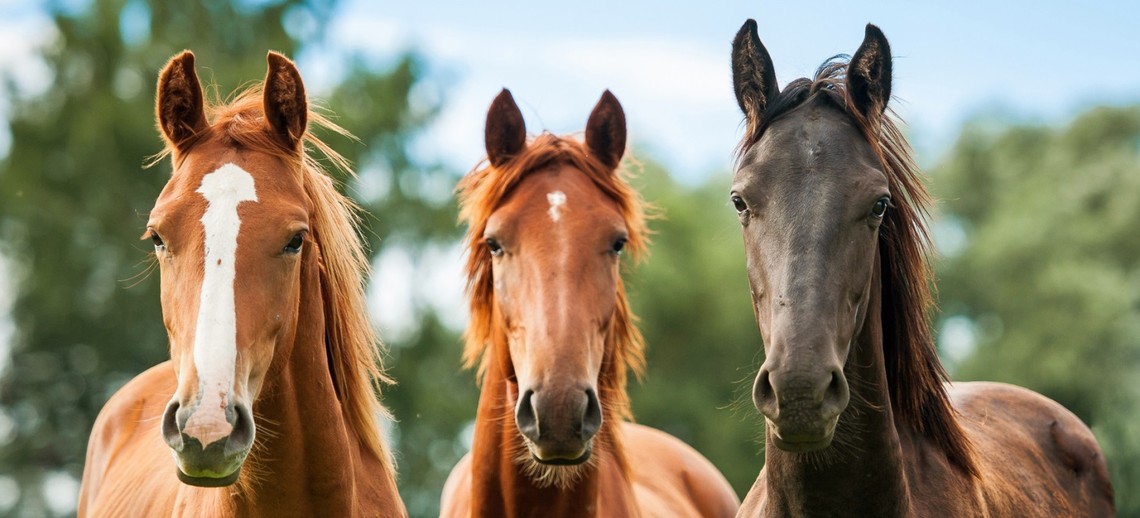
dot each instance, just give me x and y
(703, 346)
(1045, 270)
(1045, 277)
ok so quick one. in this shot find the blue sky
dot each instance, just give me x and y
(668, 63)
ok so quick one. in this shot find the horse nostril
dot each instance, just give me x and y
(171, 432)
(525, 417)
(241, 437)
(836, 394)
(592, 417)
(763, 393)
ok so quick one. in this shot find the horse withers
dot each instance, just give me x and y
(268, 403)
(861, 420)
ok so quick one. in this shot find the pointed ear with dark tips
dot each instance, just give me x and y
(179, 107)
(753, 75)
(869, 73)
(505, 133)
(286, 108)
(605, 130)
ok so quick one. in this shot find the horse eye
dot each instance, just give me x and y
(880, 207)
(294, 244)
(619, 245)
(157, 240)
(738, 202)
(496, 248)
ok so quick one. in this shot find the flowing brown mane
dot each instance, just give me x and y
(482, 191)
(915, 376)
(353, 347)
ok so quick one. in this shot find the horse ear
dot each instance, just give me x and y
(286, 108)
(753, 75)
(605, 130)
(869, 73)
(505, 133)
(179, 107)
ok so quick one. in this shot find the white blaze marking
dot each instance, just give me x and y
(557, 199)
(215, 336)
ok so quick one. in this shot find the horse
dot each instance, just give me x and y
(553, 336)
(269, 401)
(861, 418)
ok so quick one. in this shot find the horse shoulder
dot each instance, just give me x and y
(671, 476)
(1019, 436)
(126, 434)
(456, 498)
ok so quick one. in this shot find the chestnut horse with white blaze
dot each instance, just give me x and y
(268, 405)
(554, 336)
(861, 419)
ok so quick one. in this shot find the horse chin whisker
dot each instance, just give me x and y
(845, 446)
(562, 477)
(504, 415)
(254, 470)
(266, 428)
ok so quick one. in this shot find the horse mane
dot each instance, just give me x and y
(915, 375)
(352, 345)
(481, 191)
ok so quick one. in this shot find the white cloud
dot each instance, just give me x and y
(441, 271)
(406, 284)
(663, 70)
(676, 93)
(20, 37)
(390, 294)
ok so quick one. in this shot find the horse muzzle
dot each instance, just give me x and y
(208, 449)
(801, 411)
(558, 427)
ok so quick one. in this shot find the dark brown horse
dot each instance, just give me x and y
(860, 419)
(554, 336)
(267, 406)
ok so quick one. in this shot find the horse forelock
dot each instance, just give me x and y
(354, 348)
(915, 375)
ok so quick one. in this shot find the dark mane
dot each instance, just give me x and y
(482, 191)
(915, 376)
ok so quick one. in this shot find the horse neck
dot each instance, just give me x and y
(306, 457)
(500, 487)
(862, 472)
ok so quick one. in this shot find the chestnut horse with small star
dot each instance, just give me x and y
(554, 336)
(268, 405)
(860, 418)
